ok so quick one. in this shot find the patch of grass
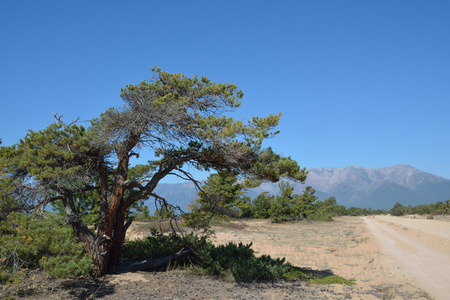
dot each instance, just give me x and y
(361, 240)
(297, 273)
(389, 292)
(426, 295)
(332, 280)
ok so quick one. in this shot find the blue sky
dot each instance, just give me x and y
(359, 83)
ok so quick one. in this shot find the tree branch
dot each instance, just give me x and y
(189, 177)
(155, 263)
(126, 226)
(133, 184)
(58, 118)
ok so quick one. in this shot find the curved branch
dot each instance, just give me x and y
(44, 202)
(173, 217)
(133, 184)
(189, 177)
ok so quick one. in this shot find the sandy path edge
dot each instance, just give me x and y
(422, 256)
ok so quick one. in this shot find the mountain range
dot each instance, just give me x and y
(352, 186)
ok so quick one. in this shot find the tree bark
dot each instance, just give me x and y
(99, 258)
(118, 237)
(106, 249)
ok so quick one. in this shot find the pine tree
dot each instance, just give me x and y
(182, 121)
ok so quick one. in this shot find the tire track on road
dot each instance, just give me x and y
(429, 266)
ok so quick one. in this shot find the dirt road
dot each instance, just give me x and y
(420, 247)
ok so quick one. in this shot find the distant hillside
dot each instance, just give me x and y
(380, 188)
(352, 186)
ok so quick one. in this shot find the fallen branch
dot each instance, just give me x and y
(151, 263)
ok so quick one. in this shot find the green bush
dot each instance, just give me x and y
(36, 241)
(6, 276)
(398, 210)
(159, 245)
(68, 262)
(218, 259)
(197, 218)
(321, 215)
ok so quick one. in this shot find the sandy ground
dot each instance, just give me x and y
(420, 247)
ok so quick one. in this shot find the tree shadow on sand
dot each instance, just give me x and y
(87, 288)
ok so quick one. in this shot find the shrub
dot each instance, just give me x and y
(321, 216)
(36, 241)
(159, 245)
(398, 209)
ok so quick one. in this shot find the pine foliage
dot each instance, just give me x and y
(41, 242)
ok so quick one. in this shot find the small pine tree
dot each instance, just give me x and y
(262, 204)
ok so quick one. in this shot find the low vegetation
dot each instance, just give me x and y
(43, 242)
(236, 262)
(433, 209)
(222, 198)
(40, 241)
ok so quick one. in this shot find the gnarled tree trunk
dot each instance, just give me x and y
(105, 251)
